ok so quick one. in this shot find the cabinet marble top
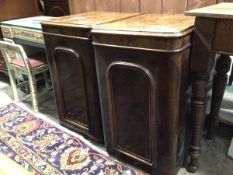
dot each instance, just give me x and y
(149, 24)
(88, 19)
(222, 10)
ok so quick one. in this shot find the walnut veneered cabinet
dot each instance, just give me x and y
(142, 68)
(71, 59)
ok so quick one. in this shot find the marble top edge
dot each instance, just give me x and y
(87, 19)
(164, 25)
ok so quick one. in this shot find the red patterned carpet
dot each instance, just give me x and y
(40, 148)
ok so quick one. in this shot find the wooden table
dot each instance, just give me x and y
(213, 33)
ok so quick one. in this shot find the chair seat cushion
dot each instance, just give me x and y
(35, 61)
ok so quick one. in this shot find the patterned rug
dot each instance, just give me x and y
(43, 149)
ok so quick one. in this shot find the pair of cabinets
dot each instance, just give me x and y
(125, 89)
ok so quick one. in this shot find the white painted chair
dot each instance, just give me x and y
(18, 63)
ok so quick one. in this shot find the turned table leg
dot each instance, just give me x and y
(219, 84)
(198, 108)
(202, 61)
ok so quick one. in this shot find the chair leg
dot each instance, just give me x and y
(12, 78)
(46, 79)
(27, 89)
(33, 91)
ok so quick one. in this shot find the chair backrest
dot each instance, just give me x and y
(12, 51)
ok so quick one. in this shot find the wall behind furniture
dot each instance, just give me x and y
(146, 6)
(11, 9)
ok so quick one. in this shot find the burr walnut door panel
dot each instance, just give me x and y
(125, 83)
(71, 87)
(74, 79)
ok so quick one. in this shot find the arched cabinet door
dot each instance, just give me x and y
(70, 87)
(131, 98)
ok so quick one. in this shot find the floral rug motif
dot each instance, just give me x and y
(44, 149)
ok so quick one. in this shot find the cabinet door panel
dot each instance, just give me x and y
(70, 79)
(131, 90)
